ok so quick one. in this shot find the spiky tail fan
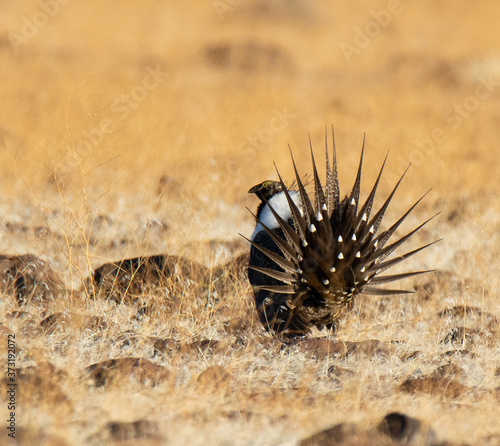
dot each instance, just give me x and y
(331, 252)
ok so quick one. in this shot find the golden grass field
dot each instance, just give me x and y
(132, 129)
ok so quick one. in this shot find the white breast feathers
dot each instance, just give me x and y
(281, 207)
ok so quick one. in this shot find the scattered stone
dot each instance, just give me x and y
(326, 347)
(30, 436)
(461, 352)
(475, 314)
(406, 430)
(490, 440)
(321, 348)
(19, 314)
(130, 279)
(247, 56)
(55, 323)
(235, 326)
(143, 370)
(449, 388)
(94, 323)
(340, 373)
(462, 336)
(165, 345)
(411, 356)
(135, 430)
(370, 348)
(29, 279)
(168, 185)
(59, 322)
(345, 434)
(394, 429)
(288, 11)
(448, 371)
(213, 378)
(126, 280)
(42, 383)
(497, 393)
(5, 331)
(204, 346)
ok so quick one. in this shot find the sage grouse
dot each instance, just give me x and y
(310, 256)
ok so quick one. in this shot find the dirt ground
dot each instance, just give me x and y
(131, 129)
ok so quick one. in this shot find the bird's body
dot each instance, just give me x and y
(310, 257)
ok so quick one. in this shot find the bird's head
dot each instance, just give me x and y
(266, 189)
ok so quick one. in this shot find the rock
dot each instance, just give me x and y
(370, 348)
(279, 10)
(235, 326)
(19, 314)
(135, 430)
(411, 355)
(472, 314)
(128, 279)
(203, 346)
(249, 56)
(37, 437)
(344, 434)
(29, 279)
(214, 377)
(41, 383)
(55, 323)
(326, 347)
(432, 385)
(321, 348)
(448, 371)
(463, 336)
(165, 345)
(340, 373)
(497, 393)
(461, 352)
(406, 430)
(394, 429)
(144, 371)
(59, 322)
(125, 280)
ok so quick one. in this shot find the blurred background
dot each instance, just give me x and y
(162, 110)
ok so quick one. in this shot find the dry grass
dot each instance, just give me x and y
(102, 160)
